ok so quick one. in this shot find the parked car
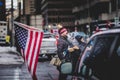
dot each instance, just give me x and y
(100, 60)
(48, 46)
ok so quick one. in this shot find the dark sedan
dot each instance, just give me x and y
(101, 57)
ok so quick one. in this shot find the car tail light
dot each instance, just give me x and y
(56, 42)
(56, 36)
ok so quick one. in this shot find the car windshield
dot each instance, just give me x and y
(46, 35)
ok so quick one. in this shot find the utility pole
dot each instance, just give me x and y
(12, 25)
(88, 26)
(116, 8)
(19, 8)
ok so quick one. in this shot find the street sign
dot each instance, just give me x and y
(7, 38)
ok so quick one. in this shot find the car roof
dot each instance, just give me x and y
(110, 31)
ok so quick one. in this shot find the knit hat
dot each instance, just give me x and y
(62, 30)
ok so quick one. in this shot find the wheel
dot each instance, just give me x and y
(49, 57)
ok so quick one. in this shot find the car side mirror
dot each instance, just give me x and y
(86, 72)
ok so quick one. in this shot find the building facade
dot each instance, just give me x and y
(32, 13)
(57, 12)
(94, 12)
(2, 10)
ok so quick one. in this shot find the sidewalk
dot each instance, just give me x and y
(11, 65)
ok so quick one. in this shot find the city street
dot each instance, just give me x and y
(12, 67)
(83, 32)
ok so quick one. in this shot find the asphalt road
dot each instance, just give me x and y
(12, 67)
(46, 71)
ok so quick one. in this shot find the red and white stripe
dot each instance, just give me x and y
(32, 50)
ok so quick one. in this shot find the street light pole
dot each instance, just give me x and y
(116, 8)
(12, 20)
(19, 8)
(88, 26)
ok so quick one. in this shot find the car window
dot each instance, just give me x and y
(97, 48)
(48, 36)
(96, 56)
(118, 47)
(103, 44)
(118, 51)
(90, 44)
(88, 49)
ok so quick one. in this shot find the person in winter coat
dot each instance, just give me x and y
(81, 43)
(63, 45)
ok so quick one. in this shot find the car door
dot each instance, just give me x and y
(95, 56)
(113, 66)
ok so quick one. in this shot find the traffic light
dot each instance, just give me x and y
(2, 10)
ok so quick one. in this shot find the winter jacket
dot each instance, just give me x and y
(62, 47)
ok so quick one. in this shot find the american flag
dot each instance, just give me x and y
(29, 42)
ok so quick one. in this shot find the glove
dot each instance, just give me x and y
(70, 49)
(76, 47)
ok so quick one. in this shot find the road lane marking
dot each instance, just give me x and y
(16, 74)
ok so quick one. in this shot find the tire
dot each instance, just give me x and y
(49, 57)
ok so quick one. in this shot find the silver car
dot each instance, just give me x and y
(48, 46)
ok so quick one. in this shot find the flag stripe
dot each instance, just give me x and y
(39, 46)
(34, 50)
(31, 50)
(29, 40)
(29, 45)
